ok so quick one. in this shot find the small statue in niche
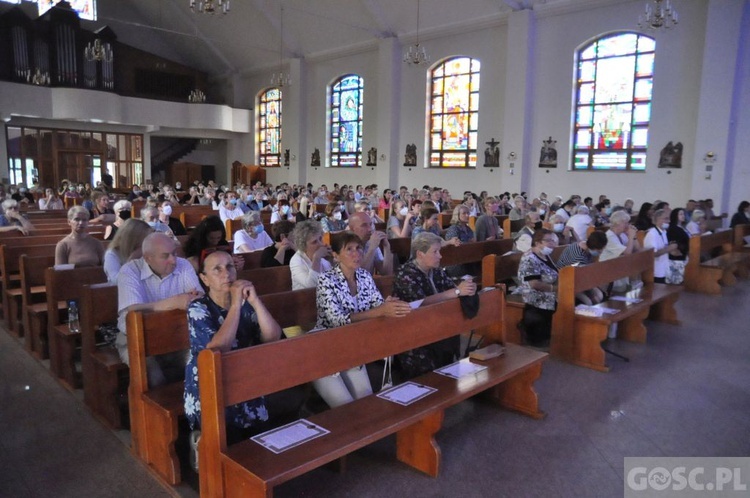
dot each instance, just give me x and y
(671, 155)
(410, 158)
(286, 157)
(492, 154)
(372, 157)
(548, 155)
(315, 157)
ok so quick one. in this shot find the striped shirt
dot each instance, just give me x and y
(574, 254)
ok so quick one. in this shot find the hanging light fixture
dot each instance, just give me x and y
(659, 15)
(281, 79)
(98, 52)
(209, 6)
(197, 97)
(416, 55)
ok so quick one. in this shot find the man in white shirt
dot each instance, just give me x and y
(157, 281)
(229, 210)
(374, 259)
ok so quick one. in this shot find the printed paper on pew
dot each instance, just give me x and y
(461, 369)
(625, 299)
(290, 435)
(416, 304)
(746, 238)
(407, 393)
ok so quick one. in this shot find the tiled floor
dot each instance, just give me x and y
(685, 393)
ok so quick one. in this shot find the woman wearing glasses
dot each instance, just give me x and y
(538, 276)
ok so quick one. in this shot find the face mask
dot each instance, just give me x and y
(258, 229)
(594, 253)
(747, 215)
(152, 224)
(537, 225)
(547, 250)
(136, 192)
(178, 186)
(558, 227)
(233, 202)
(337, 216)
(541, 212)
(403, 211)
(249, 197)
(665, 225)
(167, 210)
(22, 190)
(608, 211)
(124, 215)
(285, 210)
(265, 197)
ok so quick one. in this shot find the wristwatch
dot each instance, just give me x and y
(458, 292)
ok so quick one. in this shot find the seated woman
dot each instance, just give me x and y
(281, 251)
(229, 316)
(282, 210)
(584, 253)
(697, 224)
(422, 278)
(460, 228)
(678, 234)
(125, 246)
(208, 234)
(50, 201)
(252, 237)
(565, 234)
(333, 222)
(11, 219)
(431, 224)
(122, 211)
(401, 221)
(347, 294)
(643, 220)
(538, 276)
(309, 261)
(742, 216)
(79, 248)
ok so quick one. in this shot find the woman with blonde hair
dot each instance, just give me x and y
(125, 246)
(79, 248)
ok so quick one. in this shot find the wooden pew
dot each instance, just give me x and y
(11, 282)
(64, 286)
(190, 216)
(401, 247)
(103, 373)
(34, 309)
(740, 232)
(712, 263)
(577, 338)
(247, 469)
(252, 260)
(510, 227)
(268, 280)
(154, 413)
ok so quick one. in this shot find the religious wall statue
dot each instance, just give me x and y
(410, 158)
(671, 156)
(315, 157)
(286, 157)
(372, 157)
(492, 154)
(548, 155)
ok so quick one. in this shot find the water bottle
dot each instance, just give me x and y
(73, 323)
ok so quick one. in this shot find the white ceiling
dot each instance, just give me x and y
(247, 39)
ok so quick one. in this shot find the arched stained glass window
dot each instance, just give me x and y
(454, 113)
(614, 80)
(269, 128)
(345, 130)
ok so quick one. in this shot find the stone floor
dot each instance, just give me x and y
(684, 393)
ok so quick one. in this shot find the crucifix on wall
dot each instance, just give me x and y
(492, 154)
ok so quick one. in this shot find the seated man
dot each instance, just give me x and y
(584, 253)
(157, 281)
(374, 259)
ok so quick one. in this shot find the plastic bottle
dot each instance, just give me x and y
(73, 323)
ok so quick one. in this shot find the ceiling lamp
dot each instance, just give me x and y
(659, 15)
(209, 6)
(98, 52)
(197, 97)
(416, 55)
(281, 79)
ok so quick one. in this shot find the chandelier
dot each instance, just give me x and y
(197, 97)
(281, 79)
(98, 52)
(416, 55)
(38, 78)
(209, 6)
(659, 14)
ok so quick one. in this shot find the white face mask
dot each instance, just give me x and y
(547, 250)
(665, 225)
(166, 210)
(337, 216)
(285, 209)
(541, 212)
(403, 211)
(558, 227)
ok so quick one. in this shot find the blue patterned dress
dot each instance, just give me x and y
(204, 321)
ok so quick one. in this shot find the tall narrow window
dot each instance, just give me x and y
(614, 80)
(345, 130)
(269, 128)
(454, 113)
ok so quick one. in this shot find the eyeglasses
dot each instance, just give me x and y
(550, 241)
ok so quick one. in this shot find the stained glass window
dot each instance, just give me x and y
(268, 141)
(86, 9)
(454, 113)
(345, 111)
(613, 103)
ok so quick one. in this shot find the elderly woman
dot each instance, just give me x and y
(208, 235)
(165, 216)
(280, 253)
(519, 208)
(333, 222)
(50, 201)
(282, 211)
(697, 224)
(565, 234)
(460, 228)
(538, 276)
(122, 211)
(125, 246)
(150, 215)
(229, 316)
(656, 239)
(11, 218)
(309, 261)
(423, 278)
(252, 236)
(347, 294)
(228, 209)
(401, 221)
(79, 248)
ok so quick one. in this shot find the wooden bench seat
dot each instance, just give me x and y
(11, 279)
(713, 263)
(577, 338)
(740, 232)
(247, 469)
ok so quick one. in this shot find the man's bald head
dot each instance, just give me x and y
(361, 224)
(160, 253)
